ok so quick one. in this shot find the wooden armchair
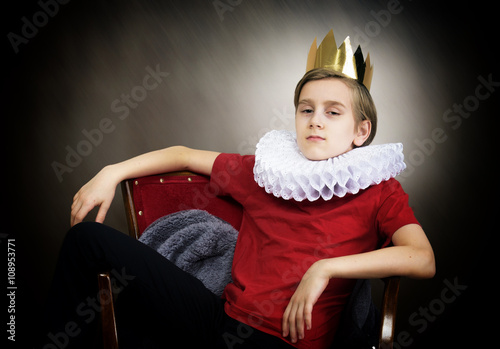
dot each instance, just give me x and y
(149, 198)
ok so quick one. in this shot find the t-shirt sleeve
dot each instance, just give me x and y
(232, 174)
(394, 212)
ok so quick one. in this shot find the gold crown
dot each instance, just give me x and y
(342, 59)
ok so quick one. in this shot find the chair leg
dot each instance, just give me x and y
(389, 307)
(109, 333)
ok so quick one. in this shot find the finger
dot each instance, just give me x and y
(74, 211)
(81, 213)
(74, 219)
(77, 217)
(101, 214)
(308, 316)
(284, 325)
(293, 325)
(299, 322)
(75, 201)
(76, 206)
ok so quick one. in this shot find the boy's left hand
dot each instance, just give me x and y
(299, 310)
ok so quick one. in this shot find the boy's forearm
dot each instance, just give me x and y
(159, 161)
(396, 260)
(176, 158)
(410, 256)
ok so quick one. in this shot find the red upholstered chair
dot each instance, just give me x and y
(149, 198)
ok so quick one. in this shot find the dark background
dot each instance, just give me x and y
(231, 78)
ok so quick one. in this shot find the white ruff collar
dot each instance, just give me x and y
(282, 170)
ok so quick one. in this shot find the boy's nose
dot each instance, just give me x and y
(315, 121)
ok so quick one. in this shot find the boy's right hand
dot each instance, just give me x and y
(99, 191)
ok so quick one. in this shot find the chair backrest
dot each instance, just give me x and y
(149, 198)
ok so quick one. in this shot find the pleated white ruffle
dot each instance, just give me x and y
(282, 170)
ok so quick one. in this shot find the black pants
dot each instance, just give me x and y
(157, 305)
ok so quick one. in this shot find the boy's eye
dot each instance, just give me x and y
(333, 113)
(307, 111)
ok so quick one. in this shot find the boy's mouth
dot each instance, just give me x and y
(315, 138)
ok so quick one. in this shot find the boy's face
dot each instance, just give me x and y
(325, 122)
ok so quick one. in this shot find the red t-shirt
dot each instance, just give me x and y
(280, 239)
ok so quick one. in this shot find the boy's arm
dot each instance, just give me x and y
(410, 256)
(100, 190)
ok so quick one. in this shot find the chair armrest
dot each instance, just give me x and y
(389, 307)
(109, 333)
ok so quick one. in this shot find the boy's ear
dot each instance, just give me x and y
(364, 130)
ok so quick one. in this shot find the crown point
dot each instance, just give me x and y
(367, 79)
(311, 57)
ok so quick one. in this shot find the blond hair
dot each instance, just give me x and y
(362, 102)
